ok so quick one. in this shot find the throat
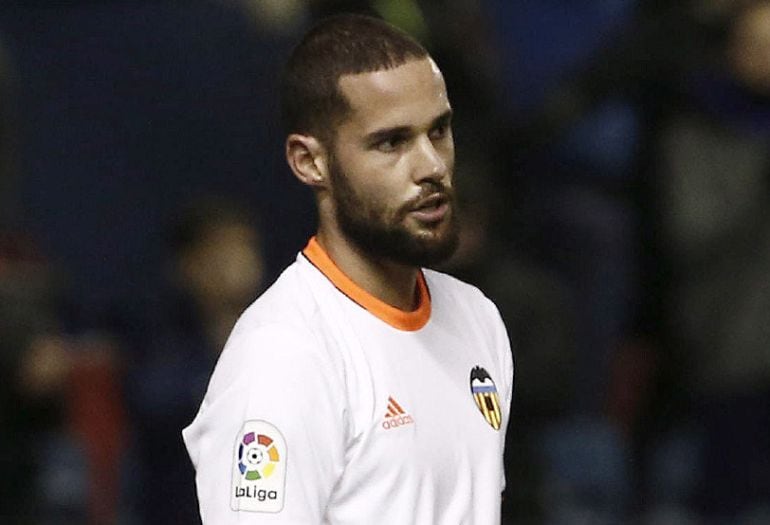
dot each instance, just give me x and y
(396, 287)
(392, 283)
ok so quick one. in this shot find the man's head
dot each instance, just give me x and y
(217, 253)
(749, 46)
(374, 139)
(341, 45)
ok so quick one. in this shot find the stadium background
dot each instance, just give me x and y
(613, 162)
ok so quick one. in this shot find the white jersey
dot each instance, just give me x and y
(329, 406)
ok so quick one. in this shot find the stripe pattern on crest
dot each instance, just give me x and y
(485, 394)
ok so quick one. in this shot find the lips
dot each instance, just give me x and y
(432, 208)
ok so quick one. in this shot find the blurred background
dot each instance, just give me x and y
(614, 171)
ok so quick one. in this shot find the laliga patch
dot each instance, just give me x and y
(484, 393)
(259, 468)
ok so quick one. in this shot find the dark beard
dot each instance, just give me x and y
(365, 228)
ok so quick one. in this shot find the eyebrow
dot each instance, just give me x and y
(383, 134)
(443, 119)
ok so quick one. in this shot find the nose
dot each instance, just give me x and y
(431, 162)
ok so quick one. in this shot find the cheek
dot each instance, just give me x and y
(378, 201)
(377, 185)
(446, 150)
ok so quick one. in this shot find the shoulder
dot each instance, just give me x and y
(286, 301)
(448, 290)
(445, 283)
(457, 303)
(281, 331)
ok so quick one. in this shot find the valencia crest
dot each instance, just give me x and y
(485, 394)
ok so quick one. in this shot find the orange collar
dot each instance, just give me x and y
(407, 321)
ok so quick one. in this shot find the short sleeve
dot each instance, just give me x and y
(503, 347)
(269, 441)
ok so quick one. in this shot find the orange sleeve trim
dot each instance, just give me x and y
(407, 321)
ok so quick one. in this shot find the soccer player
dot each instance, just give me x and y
(362, 387)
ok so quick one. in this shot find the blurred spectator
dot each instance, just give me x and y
(714, 180)
(534, 306)
(570, 152)
(32, 371)
(60, 417)
(33, 362)
(146, 102)
(216, 270)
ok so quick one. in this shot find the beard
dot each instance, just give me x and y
(383, 233)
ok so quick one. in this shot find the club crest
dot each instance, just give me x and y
(484, 393)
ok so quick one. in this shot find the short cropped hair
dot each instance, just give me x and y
(347, 44)
(192, 222)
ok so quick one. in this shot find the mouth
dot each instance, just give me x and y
(431, 209)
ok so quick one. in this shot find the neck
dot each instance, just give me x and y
(392, 283)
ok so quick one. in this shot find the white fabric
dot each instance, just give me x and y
(321, 369)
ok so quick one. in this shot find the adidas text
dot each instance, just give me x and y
(393, 422)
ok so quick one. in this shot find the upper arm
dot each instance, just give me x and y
(502, 346)
(276, 385)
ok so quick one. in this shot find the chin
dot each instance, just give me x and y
(429, 251)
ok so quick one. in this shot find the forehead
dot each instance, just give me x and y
(412, 94)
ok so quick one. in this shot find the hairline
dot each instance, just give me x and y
(344, 115)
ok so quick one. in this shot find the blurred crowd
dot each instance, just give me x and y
(614, 174)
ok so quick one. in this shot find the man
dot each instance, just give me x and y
(216, 264)
(361, 388)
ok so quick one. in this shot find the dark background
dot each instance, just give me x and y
(612, 167)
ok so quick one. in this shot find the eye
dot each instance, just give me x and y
(391, 144)
(440, 131)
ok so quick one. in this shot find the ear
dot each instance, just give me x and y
(307, 159)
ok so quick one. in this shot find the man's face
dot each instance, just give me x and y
(225, 266)
(749, 49)
(391, 165)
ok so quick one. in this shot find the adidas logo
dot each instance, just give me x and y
(395, 416)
